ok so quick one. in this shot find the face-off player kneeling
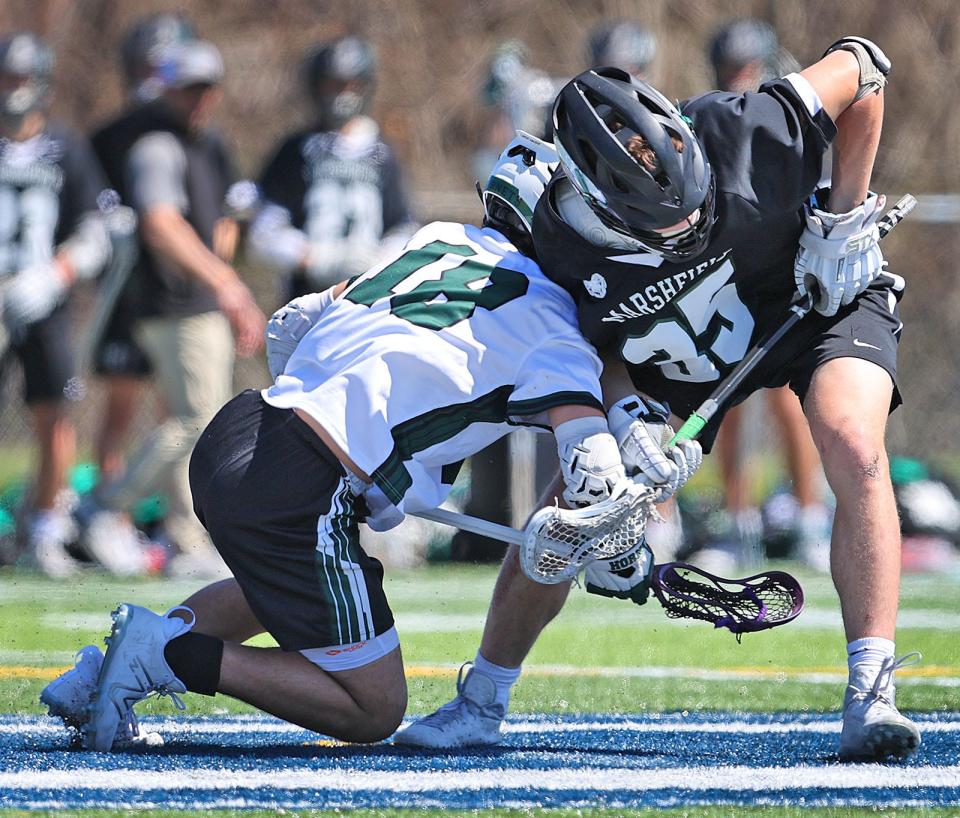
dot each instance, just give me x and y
(383, 386)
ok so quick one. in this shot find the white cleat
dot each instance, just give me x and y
(873, 729)
(111, 539)
(472, 719)
(134, 667)
(68, 698)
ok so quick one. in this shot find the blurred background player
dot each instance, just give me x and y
(744, 54)
(515, 96)
(333, 200)
(51, 235)
(118, 360)
(625, 44)
(186, 298)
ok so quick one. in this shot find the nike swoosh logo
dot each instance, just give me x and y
(858, 343)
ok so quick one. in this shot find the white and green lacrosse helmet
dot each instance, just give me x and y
(515, 186)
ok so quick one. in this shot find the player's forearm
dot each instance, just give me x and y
(226, 238)
(168, 234)
(275, 242)
(854, 152)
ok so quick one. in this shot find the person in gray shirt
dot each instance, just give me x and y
(187, 300)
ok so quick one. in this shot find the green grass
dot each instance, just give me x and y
(440, 616)
(441, 610)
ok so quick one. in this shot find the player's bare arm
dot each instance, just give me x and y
(851, 90)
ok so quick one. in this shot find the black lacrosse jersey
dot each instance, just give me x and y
(681, 327)
(337, 189)
(47, 184)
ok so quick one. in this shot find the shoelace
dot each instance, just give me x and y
(162, 690)
(884, 681)
(449, 712)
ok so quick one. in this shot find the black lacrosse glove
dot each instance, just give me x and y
(626, 576)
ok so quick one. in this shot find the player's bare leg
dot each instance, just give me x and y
(363, 704)
(57, 442)
(519, 611)
(222, 611)
(50, 527)
(847, 407)
(813, 520)
(123, 398)
(802, 458)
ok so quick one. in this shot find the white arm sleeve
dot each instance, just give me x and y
(88, 247)
(274, 242)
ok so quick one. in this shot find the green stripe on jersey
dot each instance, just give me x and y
(429, 429)
(535, 406)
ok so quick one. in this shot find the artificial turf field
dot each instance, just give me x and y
(619, 710)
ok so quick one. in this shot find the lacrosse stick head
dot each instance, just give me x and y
(754, 603)
(558, 542)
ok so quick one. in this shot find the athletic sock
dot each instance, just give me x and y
(865, 657)
(195, 659)
(503, 677)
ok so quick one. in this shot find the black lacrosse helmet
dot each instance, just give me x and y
(25, 56)
(594, 118)
(340, 77)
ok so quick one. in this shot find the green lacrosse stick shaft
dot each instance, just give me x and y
(694, 424)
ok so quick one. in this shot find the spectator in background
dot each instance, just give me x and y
(515, 96)
(186, 298)
(333, 200)
(744, 54)
(117, 357)
(624, 44)
(51, 235)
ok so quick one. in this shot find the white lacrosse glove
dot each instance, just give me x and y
(642, 432)
(626, 576)
(839, 254)
(289, 324)
(688, 457)
(589, 460)
(31, 295)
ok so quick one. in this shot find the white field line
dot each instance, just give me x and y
(619, 780)
(254, 725)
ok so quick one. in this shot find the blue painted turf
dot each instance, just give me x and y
(253, 762)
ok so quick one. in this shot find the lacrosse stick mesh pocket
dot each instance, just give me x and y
(559, 541)
(742, 605)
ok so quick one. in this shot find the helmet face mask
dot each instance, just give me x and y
(26, 66)
(340, 80)
(516, 184)
(634, 158)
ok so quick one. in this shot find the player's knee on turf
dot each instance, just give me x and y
(382, 718)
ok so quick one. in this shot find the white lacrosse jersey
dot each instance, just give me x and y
(428, 358)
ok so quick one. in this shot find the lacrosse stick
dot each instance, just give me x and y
(695, 423)
(606, 529)
(558, 542)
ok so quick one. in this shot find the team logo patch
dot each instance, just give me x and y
(596, 286)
